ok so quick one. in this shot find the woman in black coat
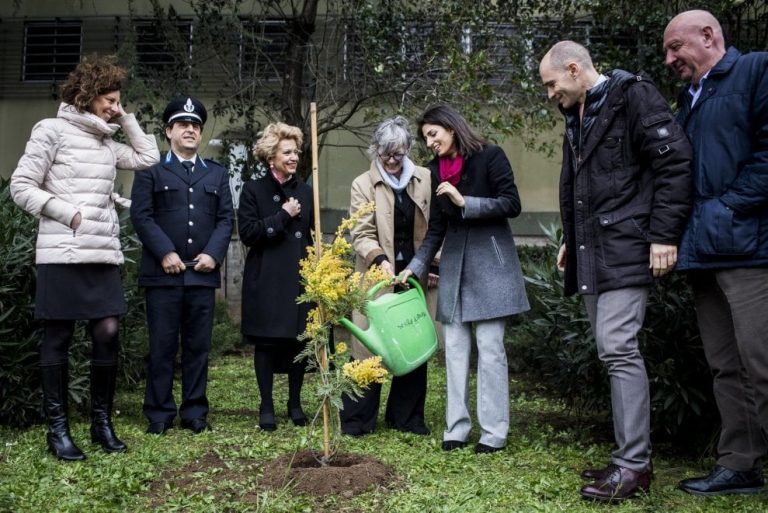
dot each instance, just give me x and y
(274, 219)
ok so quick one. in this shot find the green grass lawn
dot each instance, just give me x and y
(220, 471)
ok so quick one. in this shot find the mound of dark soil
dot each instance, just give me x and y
(346, 475)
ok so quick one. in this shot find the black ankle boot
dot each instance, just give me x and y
(55, 381)
(297, 414)
(267, 418)
(102, 391)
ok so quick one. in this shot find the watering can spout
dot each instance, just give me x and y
(370, 343)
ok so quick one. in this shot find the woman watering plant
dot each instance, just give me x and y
(389, 237)
(473, 196)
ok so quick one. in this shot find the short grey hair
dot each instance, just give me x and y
(565, 52)
(391, 135)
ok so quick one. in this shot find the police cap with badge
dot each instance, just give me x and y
(185, 108)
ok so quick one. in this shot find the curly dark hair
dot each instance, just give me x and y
(95, 75)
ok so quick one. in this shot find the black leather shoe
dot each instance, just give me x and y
(486, 449)
(724, 481)
(420, 429)
(452, 445)
(197, 426)
(297, 415)
(158, 428)
(618, 483)
(267, 420)
(417, 428)
(350, 431)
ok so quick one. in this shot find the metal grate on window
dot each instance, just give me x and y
(51, 50)
(160, 50)
(263, 50)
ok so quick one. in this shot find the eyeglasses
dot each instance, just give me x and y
(397, 156)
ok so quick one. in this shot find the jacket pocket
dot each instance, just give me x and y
(497, 250)
(622, 236)
(166, 197)
(722, 232)
(211, 198)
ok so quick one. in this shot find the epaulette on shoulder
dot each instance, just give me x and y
(641, 76)
(215, 163)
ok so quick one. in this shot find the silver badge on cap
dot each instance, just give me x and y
(188, 107)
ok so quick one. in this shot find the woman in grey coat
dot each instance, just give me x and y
(473, 196)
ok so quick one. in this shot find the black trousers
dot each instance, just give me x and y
(178, 314)
(405, 405)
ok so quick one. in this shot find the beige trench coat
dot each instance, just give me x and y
(374, 234)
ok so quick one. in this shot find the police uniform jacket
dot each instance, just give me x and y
(625, 183)
(276, 242)
(186, 213)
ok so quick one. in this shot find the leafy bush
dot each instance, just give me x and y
(19, 333)
(226, 338)
(555, 342)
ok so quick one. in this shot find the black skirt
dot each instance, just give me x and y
(284, 350)
(78, 291)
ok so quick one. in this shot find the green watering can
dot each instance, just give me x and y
(400, 327)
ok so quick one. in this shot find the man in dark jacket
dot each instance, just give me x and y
(182, 211)
(625, 195)
(724, 111)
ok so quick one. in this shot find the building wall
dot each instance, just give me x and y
(23, 104)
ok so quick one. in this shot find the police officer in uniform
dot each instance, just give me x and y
(182, 212)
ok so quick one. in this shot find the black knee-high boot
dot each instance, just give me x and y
(103, 378)
(55, 381)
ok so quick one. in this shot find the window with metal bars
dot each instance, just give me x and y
(163, 47)
(263, 50)
(51, 50)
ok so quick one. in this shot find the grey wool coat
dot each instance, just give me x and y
(479, 266)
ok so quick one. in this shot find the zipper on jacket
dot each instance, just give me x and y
(576, 155)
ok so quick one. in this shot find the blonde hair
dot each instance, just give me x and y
(266, 146)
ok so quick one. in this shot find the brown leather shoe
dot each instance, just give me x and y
(617, 484)
(596, 474)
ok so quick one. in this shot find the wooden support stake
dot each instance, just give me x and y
(318, 250)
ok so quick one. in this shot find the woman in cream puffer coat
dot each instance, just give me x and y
(66, 179)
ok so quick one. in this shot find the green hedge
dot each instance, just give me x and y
(554, 343)
(19, 333)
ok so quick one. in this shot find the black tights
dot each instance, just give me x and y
(54, 347)
(264, 364)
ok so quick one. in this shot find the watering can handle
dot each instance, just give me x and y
(386, 283)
